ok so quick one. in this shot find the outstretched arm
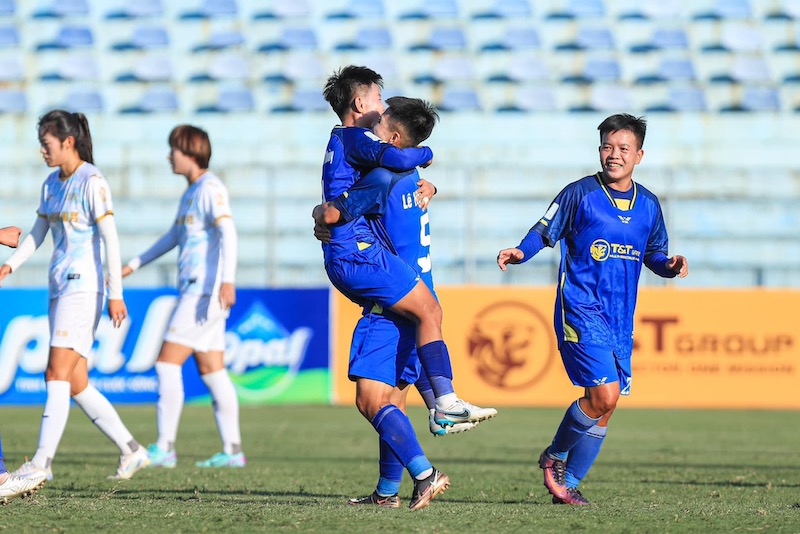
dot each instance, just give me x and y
(27, 247)
(164, 244)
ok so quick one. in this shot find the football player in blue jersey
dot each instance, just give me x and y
(608, 226)
(356, 261)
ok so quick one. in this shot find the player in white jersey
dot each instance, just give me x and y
(205, 235)
(76, 207)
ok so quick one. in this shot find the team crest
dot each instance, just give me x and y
(600, 250)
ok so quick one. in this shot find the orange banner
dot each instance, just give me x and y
(693, 348)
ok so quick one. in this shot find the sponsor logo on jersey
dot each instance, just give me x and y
(601, 250)
(625, 220)
(600, 381)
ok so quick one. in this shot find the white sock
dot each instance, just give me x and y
(54, 421)
(446, 401)
(226, 409)
(97, 408)
(170, 403)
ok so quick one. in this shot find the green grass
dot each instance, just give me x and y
(660, 471)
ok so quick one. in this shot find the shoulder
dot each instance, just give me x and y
(582, 187)
(646, 193)
(90, 173)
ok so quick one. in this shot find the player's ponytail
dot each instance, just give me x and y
(63, 124)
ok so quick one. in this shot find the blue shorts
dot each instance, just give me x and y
(384, 349)
(591, 365)
(372, 275)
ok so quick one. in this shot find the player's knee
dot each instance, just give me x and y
(603, 404)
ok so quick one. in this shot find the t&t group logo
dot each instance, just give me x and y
(512, 345)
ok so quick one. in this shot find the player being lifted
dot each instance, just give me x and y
(357, 264)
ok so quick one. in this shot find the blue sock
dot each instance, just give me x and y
(2, 463)
(391, 472)
(574, 425)
(435, 360)
(395, 429)
(583, 455)
(426, 391)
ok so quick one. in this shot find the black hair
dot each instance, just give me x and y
(344, 85)
(193, 142)
(63, 124)
(416, 116)
(623, 121)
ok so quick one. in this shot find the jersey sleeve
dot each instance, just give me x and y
(559, 218)
(367, 150)
(368, 196)
(216, 204)
(657, 241)
(99, 198)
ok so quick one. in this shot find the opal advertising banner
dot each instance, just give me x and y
(277, 347)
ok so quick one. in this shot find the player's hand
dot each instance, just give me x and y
(424, 194)
(9, 236)
(117, 311)
(5, 270)
(318, 214)
(227, 295)
(509, 255)
(322, 232)
(680, 265)
(126, 270)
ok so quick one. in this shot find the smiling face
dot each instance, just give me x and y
(619, 154)
(56, 152)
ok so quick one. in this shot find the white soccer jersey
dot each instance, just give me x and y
(202, 205)
(72, 207)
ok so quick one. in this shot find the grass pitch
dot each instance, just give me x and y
(659, 471)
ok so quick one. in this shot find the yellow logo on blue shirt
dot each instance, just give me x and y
(601, 250)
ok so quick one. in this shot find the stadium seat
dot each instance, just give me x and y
(442, 39)
(532, 99)
(155, 100)
(69, 37)
(760, 99)
(9, 36)
(13, 101)
(11, 69)
(589, 38)
(447, 69)
(368, 38)
(596, 69)
(741, 38)
(84, 100)
(226, 67)
(789, 10)
(211, 9)
(663, 39)
(744, 69)
(611, 98)
(681, 99)
(652, 10)
(74, 67)
(506, 9)
(516, 38)
(135, 9)
(726, 9)
(292, 38)
(670, 70)
(283, 9)
(8, 8)
(357, 9)
(304, 100)
(62, 8)
(144, 38)
(231, 101)
(432, 9)
(149, 69)
(578, 9)
(220, 41)
(522, 68)
(453, 99)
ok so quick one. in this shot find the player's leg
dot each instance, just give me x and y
(429, 398)
(12, 487)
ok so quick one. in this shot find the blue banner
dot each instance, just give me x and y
(277, 347)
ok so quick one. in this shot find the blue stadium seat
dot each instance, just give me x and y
(670, 70)
(367, 38)
(69, 37)
(84, 100)
(211, 9)
(726, 9)
(522, 68)
(144, 38)
(155, 100)
(13, 101)
(432, 9)
(589, 38)
(682, 99)
(739, 37)
(594, 70)
(516, 38)
(652, 10)
(441, 39)
(292, 38)
(226, 67)
(789, 10)
(231, 100)
(11, 69)
(8, 8)
(304, 100)
(447, 69)
(74, 67)
(220, 41)
(532, 99)
(149, 69)
(577, 9)
(135, 9)
(9, 36)
(663, 39)
(357, 9)
(506, 9)
(611, 98)
(62, 8)
(454, 99)
(282, 9)
(761, 99)
(744, 69)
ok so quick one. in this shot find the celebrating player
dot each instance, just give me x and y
(76, 205)
(205, 235)
(357, 264)
(608, 226)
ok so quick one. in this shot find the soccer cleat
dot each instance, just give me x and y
(31, 470)
(222, 459)
(392, 501)
(439, 430)
(20, 487)
(428, 488)
(574, 497)
(161, 458)
(130, 463)
(463, 412)
(555, 474)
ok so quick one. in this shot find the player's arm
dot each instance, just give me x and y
(368, 196)
(424, 193)
(229, 253)
(164, 244)
(655, 255)
(367, 150)
(27, 247)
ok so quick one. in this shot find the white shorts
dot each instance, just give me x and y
(198, 322)
(73, 321)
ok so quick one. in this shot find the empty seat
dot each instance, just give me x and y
(532, 99)
(681, 99)
(9, 36)
(292, 38)
(741, 38)
(596, 69)
(84, 100)
(149, 69)
(448, 68)
(589, 38)
(62, 8)
(7, 8)
(523, 68)
(454, 99)
(517, 38)
(356, 9)
(231, 100)
(282, 9)
(155, 100)
(69, 37)
(726, 9)
(368, 38)
(669, 70)
(432, 9)
(12, 101)
(653, 9)
(144, 38)
(11, 69)
(227, 67)
(663, 39)
(304, 100)
(744, 69)
(506, 9)
(134, 9)
(442, 38)
(220, 41)
(74, 68)
(212, 9)
(760, 99)
(611, 98)
(576, 9)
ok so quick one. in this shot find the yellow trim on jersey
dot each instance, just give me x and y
(222, 217)
(543, 222)
(376, 308)
(569, 333)
(620, 204)
(104, 215)
(363, 246)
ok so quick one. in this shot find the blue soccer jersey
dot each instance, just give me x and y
(352, 152)
(604, 241)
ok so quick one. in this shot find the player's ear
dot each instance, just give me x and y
(357, 104)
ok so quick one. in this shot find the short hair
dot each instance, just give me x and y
(416, 116)
(623, 121)
(193, 142)
(344, 85)
(63, 124)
